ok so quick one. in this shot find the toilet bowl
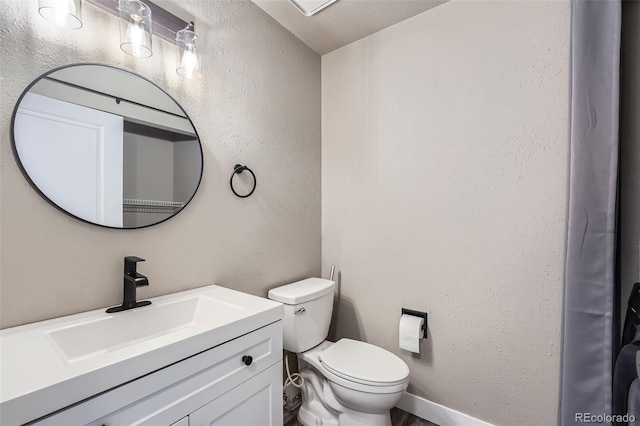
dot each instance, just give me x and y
(347, 382)
(357, 390)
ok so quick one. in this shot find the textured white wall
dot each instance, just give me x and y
(630, 150)
(258, 104)
(444, 156)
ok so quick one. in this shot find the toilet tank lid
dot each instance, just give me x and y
(302, 291)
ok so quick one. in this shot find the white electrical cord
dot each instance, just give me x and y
(294, 379)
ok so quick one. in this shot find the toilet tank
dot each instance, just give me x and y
(308, 305)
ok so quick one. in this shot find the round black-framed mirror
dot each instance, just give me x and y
(106, 146)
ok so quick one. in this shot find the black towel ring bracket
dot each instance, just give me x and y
(238, 169)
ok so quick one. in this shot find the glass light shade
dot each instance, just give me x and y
(188, 59)
(63, 13)
(135, 28)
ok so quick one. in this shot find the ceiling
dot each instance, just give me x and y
(344, 21)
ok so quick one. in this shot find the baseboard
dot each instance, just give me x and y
(436, 413)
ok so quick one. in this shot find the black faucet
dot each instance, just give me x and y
(132, 280)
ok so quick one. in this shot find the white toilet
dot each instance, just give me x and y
(347, 382)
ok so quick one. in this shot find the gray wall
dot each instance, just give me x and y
(148, 167)
(185, 175)
(258, 103)
(630, 149)
(148, 174)
(444, 164)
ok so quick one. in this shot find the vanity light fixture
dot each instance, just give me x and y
(188, 59)
(135, 28)
(139, 22)
(63, 13)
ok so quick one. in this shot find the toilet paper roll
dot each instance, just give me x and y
(411, 332)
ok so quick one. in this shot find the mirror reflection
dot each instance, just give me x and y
(107, 146)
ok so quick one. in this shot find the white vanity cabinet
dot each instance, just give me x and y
(209, 355)
(214, 387)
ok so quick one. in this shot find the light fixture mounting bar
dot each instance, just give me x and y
(164, 24)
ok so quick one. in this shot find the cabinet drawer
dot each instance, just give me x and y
(169, 394)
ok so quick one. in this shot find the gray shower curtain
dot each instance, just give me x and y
(588, 331)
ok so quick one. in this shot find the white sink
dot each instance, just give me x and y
(115, 331)
(64, 360)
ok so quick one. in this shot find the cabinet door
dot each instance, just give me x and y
(256, 402)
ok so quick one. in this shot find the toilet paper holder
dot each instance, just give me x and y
(423, 315)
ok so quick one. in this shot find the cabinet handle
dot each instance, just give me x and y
(247, 359)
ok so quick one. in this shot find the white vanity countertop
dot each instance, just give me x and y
(49, 365)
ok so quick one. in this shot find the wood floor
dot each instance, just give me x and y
(402, 418)
(398, 418)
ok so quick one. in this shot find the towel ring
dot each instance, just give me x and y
(237, 169)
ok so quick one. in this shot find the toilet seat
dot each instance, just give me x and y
(312, 356)
(364, 363)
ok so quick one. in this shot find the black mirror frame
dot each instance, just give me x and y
(35, 187)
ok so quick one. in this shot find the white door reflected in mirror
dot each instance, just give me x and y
(74, 155)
